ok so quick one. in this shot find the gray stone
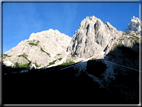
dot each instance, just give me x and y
(135, 25)
(41, 47)
(32, 66)
(8, 64)
(92, 37)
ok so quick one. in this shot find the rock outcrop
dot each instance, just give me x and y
(8, 64)
(127, 50)
(32, 66)
(135, 25)
(92, 37)
(40, 48)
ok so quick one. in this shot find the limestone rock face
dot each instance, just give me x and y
(32, 66)
(40, 48)
(135, 25)
(92, 37)
(125, 50)
(8, 63)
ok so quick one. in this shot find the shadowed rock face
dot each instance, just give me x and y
(99, 82)
(111, 77)
(92, 37)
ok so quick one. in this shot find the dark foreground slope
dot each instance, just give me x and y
(102, 82)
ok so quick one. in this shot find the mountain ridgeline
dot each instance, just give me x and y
(93, 37)
(97, 61)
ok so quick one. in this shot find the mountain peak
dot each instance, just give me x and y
(47, 34)
(92, 37)
(41, 47)
(135, 25)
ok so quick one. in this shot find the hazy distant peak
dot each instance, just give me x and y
(135, 25)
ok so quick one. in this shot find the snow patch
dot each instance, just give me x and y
(95, 79)
(67, 67)
(60, 62)
(52, 55)
(32, 66)
(123, 66)
(109, 71)
(102, 53)
(23, 71)
(80, 67)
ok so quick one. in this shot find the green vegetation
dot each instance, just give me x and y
(121, 39)
(135, 38)
(23, 65)
(24, 56)
(44, 51)
(91, 55)
(58, 54)
(26, 65)
(19, 65)
(53, 62)
(126, 33)
(34, 43)
(68, 62)
(36, 64)
(59, 59)
(5, 55)
(73, 55)
(91, 59)
(120, 42)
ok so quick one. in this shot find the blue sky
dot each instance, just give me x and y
(22, 19)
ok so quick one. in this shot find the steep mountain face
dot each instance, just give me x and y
(106, 67)
(135, 25)
(127, 50)
(40, 48)
(92, 37)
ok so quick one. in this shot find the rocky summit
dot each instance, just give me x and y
(92, 37)
(135, 25)
(98, 65)
(40, 48)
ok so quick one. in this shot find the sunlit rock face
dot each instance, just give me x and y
(8, 63)
(40, 48)
(135, 25)
(92, 37)
(107, 68)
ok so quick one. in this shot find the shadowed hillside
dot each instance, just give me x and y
(102, 82)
